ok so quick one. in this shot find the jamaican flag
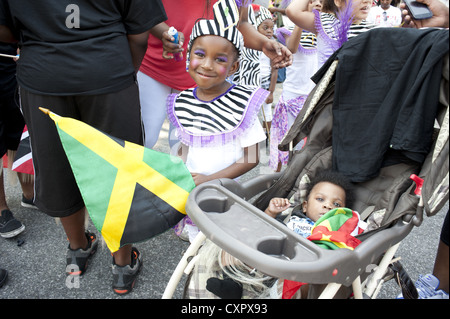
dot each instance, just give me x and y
(132, 193)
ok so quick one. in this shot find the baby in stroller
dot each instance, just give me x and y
(231, 278)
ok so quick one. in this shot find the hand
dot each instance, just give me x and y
(18, 55)
(439, 19)
(279, 55)
(169, 47)
(276, 206)
(199, 178)
(269, 98)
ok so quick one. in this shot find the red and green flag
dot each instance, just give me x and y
(132, 193)
(336, 229)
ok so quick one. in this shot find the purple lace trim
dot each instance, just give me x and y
(332, 43)
(243, 3)
(282, 33)
(280, 126)
(218, 139)
(345, 18)
(284, 3)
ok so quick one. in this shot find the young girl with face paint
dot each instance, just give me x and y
(216, 122)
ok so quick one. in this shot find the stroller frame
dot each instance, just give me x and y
(222, 211)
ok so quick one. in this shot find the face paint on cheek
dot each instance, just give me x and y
(194, 63)
(222, 70)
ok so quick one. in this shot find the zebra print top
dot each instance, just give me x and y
(218, 120)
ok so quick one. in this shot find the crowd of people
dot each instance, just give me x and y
(116, 71)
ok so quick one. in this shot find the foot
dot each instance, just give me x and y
(28, 203)
(9, 226)
(77, 259)
(124, 277)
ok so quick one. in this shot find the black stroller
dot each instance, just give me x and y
(230, 214)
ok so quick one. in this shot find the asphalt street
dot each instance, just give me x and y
(35, 259)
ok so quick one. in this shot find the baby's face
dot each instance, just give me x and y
(323, 197)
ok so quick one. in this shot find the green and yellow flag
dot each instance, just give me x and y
(132, 193)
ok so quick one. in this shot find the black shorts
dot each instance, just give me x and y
(11, 123)
(117, 114)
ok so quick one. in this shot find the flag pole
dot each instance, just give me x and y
(46, 111)
(9, 56)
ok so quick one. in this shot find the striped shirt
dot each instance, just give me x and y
(220, 115)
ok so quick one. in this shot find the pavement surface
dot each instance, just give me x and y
(36, 266)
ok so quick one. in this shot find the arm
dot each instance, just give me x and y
(293, 40)
(298, 12)
(249, 161)
(276, 206)
(276, 9)
(6, 35)
(278, 53)
(439, 19)
(138, 47)
(273, 83)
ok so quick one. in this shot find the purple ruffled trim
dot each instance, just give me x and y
(284, 3)
(307, 51)
(280, 126)
(332, 43)
(345, 18)
(282, 33)
(218, 139)
(243, 3)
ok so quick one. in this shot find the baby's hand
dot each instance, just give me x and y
(276, 206)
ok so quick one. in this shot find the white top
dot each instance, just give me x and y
(391, 17)
(209, 160)
(304, 66)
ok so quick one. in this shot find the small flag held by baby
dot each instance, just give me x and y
(131, 193)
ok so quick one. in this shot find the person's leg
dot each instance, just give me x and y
(3, 204)
(27, 184)
(122, 257)
(153, 96)
(440, 270)
(9, 226)
(74, 228)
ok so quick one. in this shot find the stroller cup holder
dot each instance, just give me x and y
(234, 219)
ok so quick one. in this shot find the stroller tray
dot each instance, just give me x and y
(264, 243)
